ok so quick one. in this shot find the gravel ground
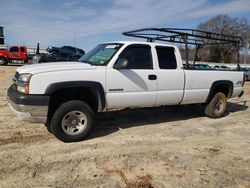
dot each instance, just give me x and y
(159, 147)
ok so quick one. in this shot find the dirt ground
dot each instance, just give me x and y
(160, 147)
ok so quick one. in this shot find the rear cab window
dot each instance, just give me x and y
(22, 49)
(166, 57)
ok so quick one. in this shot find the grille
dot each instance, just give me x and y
(16, 75)
(15, 78)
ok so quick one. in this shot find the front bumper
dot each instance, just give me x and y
(35, 114)
(32, 108)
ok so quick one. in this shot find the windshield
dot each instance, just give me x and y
(101, 54)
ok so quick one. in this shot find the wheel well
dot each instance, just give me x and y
(225, 87)
(60, 96)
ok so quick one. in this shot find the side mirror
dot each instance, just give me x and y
(121, 63)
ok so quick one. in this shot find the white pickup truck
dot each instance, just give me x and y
(67, 95)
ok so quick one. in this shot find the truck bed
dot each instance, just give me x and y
(199, 82)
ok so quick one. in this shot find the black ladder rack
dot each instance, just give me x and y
(187, 37)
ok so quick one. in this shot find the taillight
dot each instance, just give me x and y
(244, 79)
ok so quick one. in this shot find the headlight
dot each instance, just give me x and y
(22, 82)
(25, 78)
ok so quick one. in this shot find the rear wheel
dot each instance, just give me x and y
(217, 106)
(72, 121)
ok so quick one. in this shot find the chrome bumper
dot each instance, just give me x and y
(35, 114)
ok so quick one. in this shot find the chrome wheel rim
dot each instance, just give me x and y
(219, 105)
(74, 122)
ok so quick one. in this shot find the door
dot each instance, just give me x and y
(23, 55)
(135, 85)
(170, 77)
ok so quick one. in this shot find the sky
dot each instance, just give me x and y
(86, 23)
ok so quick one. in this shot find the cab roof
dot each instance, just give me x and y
(143, 42)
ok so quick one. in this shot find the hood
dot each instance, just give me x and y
(54, 67)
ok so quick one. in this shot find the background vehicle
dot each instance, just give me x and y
(65, 53)
(221, 67)
(14, 53)
(201, 66)
(115, 76)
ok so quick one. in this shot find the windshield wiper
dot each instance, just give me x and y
(93, 63)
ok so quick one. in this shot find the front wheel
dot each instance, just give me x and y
(3, 61)
(217, 106)
(72, 121)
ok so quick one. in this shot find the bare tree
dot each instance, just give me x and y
(223, 24)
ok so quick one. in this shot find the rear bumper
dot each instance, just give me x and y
(32, 108)
(237, 92)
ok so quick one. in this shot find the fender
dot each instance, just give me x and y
(217, 84)
(4, 55)
(96, 87)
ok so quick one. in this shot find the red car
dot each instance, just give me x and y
(18, 53)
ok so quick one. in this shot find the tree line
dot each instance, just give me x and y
(224, 53)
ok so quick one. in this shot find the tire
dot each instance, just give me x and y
(246, 78)
(3, 61)
(72, 121)
(217, 106)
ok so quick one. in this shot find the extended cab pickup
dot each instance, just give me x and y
(65, 96)
(14, 53)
